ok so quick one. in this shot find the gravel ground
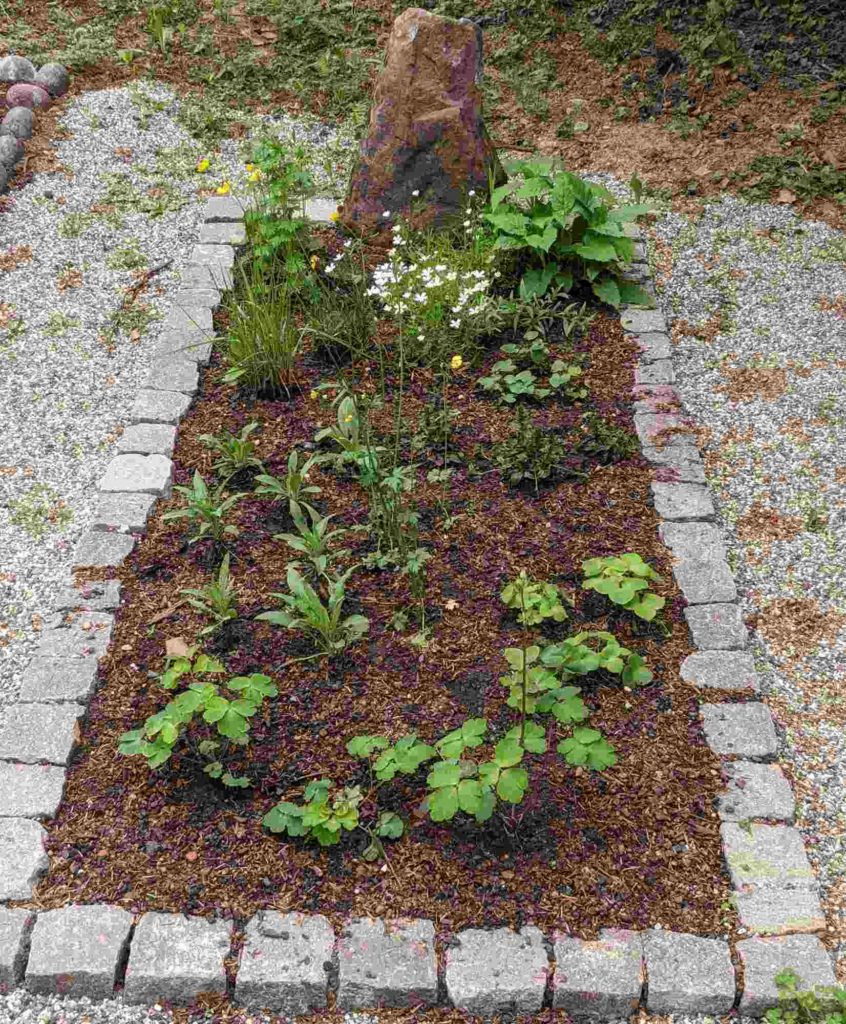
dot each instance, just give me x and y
(70, 364)
(757, 299)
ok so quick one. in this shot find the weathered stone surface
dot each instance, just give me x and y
(599, 979)
(225, 209)
(15, 928)
(661, 430)
(93, 596)
(319, 210)
(720, 670)
(173, 373)
(208, 275)
(657, 400)
(387, 966)
(755, 791)
(59, 679)
(159, 407)
(745, 730)
(125, 512)
(176, 958)
(780, 911)
(222, 233)
(147, 474)
(285, 963)
(678, 501)
(189, 297)
(708, 581)
(180, 345)
(763, 958)
(148, 439)
(76, 951)
(660, 371)
(54, 78)
(212, 256)
(30, 790)
(687, 974)
(28, 94)
(22, 857)
(501, 971)
(426, 133)
(16, 69)
(766, 856)
(643, 321)
(717, 627)
(102, 549)
(693, 541)
(192, 322)
(17, 123)
(677, 464)
(11, 151)
(80, 635)
(654, 345)
(38, 732)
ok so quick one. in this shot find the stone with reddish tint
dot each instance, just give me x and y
(29, 95)
(54, 78)
(16, 69)
(426, 133)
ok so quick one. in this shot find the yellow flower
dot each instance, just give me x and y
(255, 176)
(250, 167)
(314, 262)
(335, 216)
(348, 419)
(456, 362)
(203, 166)
(312, 394)
(223, 189)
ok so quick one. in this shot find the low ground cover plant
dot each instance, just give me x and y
(381, 573)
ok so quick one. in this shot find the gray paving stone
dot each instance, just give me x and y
(22, 857)
(148, 439)
(222, 209)
(643, 321)
(30, 790)
(222, 233)
(763, 958)
(779, 911)
(501, 971)
(159, 407)
(173, 373)
(38, 732)
(721, 670)
(679, 501)
(320, 209)
(654, 345)
(599, 979)
(687, 974)
(96, 596)
(708, 581)
(391, 965)
(215, 275)
(693, 541)
(717, 627)
(127, 513)
(15, 928)
(766, 856)
(662, 430)
(659, 371)
(212, 256)
(178, 345)
(657, 400)
(285, 963)
(680, 463)
(84, 635)
(102, 549)
(145, 474)
(59, 679)
(175, 958)
(76, 951)
(197, 295)
(755, 791)
(194, 323)
(742, 730)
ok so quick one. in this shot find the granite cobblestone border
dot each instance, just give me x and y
(291, 963)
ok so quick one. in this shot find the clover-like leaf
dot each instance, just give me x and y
(443, 804)
(512, 785)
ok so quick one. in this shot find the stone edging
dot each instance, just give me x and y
(290, 963)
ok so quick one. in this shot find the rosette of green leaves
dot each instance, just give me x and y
(533, 600)
(624, 579)
(536, 689)
(462, 785)
(509, 385)
(588, 747)
(206, 509)
(596, 649)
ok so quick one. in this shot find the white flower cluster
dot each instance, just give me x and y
(330, 267)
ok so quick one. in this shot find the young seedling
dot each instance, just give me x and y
(206, 510)
(624, 579)
(216, 600)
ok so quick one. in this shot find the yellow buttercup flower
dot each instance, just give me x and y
(314, 261)
(250, 167)
(255, 176)
(203, 166)
(335, 216)
(456, 362)
(312, 394)
(223, 189)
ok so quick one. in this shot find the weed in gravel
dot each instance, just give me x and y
(817, 1005)
(127, 257)
(40, 510)
(59, 324)
(74, 225)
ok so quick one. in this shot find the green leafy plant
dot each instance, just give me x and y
(207, 510)
(509, 385)
(604, 441)
(303, 609)
(216, 600)
(534, 600)
(624, 579)
(591, 650)
(313, 539)
(571, 230)
(282, 182)
(294, 486)
(802, 1005)
(235, 451)
(529, 453)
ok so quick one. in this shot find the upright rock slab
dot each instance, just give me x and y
(426, 137)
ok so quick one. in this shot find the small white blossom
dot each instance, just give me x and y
(471, 193)
(387, 213)
(455, 323)
(416, 192)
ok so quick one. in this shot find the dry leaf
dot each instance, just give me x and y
(451, 605)
(167, 612)
(785, 196)
(176, 646)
